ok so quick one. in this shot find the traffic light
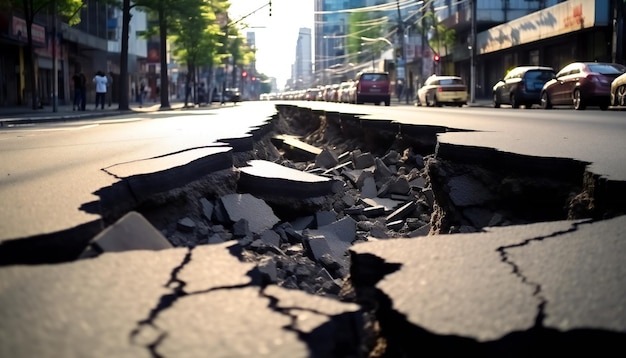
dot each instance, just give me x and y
(436, 58)
(270, 8)
(244, 74)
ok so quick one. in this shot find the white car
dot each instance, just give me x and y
(442, 90)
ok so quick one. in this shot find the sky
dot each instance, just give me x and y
(276, 36)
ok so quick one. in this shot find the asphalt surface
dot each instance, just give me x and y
(551, 288)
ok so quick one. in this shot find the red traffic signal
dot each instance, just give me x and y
(436, 58)
(244, 74)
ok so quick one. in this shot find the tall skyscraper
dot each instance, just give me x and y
(302, 69)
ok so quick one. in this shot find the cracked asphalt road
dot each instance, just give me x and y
(176, 303)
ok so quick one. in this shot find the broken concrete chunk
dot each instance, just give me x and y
(399, 185)
(391, 157)
(422, 231)
(402, 212)
(131, 232)
(418, 182)
(363, 160)
(271, 238)
(259, 215)
(325, 217)
(374, 211)
(317, 246)
(368, 190)
(304, 222)
(395, 225)
(241, 228)
(207, 209)
(326, 159)
(215, 239)
(185, 225)
(268, 270)
(382, 172)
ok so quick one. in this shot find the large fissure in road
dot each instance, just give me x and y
(299, 193)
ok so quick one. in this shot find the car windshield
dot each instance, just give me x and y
(605, 69)
(540, 75)
(374, 77)
(450, 81)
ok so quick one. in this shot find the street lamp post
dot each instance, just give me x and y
(473, 53)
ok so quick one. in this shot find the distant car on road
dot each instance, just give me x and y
(618, 91)
(581, 84)
(522, 86)
(440, 90)
(231, 95)
(372, 87)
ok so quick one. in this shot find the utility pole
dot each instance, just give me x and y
(473, 53)
(403, 51)
(55, 60)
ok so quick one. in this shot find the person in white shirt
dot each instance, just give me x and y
(101, 88)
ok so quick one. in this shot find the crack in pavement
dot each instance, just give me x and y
(164, 302)
(168, 300)
(516, 270)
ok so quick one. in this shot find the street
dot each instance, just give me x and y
(548, 287)
(50, 171)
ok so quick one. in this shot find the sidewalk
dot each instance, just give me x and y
(26, 115)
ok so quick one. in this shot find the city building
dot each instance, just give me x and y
(302, 69)
(518, 32)
(89, 46)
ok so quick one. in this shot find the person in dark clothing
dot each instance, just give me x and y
(80, 88)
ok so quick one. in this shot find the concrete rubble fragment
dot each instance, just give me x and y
(131, 232)
(259, 215)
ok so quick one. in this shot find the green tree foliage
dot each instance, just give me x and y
(363, 25)
(441, 37)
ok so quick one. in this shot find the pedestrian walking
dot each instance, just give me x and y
(140, 90)
(101, 88)
(80, 88)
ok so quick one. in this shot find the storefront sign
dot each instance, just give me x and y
(19, 31)
(569, 16)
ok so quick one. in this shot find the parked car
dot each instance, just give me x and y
(440, 90)
(618, 91)
(522, 86)
(372, 87)
(581, 84)
(231, 95)
(311, 94)
(342, 92)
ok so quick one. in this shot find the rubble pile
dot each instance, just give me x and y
(344, 183)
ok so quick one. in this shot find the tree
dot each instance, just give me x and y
(69, 12)
(195, 37)
(363, 25)
(441, 36)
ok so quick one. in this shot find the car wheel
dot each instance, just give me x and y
(621, 96)
(604, 105)
(514, 103)
(387, 103)
(437, 103)
(428, 104)
(358, 100)
(496, 104)
(545, 101)
(579, 105)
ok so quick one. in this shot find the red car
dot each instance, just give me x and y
(372, 87)
(581, 84)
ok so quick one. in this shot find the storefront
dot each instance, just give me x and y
(576, 30)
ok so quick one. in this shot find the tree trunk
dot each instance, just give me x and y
(123, 81)
(32, 78)
(165, 97)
